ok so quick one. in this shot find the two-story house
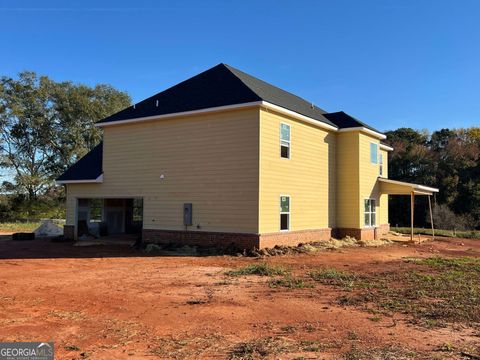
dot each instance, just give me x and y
(224, 157)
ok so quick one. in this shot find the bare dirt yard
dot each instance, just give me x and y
(399, 301)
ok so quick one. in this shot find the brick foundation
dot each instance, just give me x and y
(293, 238)
(363, 234)
(201, 238)
(258, 241)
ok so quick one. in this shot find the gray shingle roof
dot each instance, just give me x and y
(219, 86)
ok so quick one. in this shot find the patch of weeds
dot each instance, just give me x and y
(260, 348)
(375, 318)
(289, 329)
(447, 347)
(71, 348)
(435, 292)
(334, 277)
(352, 335)
(263, 269)
(290, 283)
(385, 353)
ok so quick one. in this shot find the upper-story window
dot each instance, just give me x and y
(285, 141)
(374, 153)
(381, 164)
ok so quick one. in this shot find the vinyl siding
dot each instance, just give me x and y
(208, 160)
(369, 185)
(308, 176)
(347, 157)
(383, 216)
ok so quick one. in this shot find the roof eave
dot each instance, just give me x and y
(365, 130)
(98, 180)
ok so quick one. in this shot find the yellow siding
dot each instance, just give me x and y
(308, 176)
(369, 186)
(348, 185)
(383, 210)
(208, 160)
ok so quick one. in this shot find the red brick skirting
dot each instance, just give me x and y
(240, 240)
(293, 238)
(363, 234)
(201, 238)
(257, 241)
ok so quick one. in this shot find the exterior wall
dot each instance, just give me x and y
(369, 173)
(383, 216)
(348, 170)
(357, 181)
(308, 177)
(209, 160)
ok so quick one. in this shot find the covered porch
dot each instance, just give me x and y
(394, 187)
(115, 218)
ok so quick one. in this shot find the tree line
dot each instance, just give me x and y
(46, 126)
(448, 159)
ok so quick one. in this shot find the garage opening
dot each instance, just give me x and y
(109, 217)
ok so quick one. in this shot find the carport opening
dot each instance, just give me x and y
(104, 217)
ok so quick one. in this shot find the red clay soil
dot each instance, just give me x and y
(115, 303)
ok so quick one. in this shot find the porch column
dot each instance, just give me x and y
(412, 203)
(431, 216)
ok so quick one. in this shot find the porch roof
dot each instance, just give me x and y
(395, 187)
(86, 170)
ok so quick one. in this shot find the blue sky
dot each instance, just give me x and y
(390, 63)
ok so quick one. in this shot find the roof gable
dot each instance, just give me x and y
(221, 85)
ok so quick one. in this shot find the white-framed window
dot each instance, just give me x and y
(284, 212)
(381, 164)
(374, 153)
(370, 212)
(285, 141)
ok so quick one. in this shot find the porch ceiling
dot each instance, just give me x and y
(394, 187)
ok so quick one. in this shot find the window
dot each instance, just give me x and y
(370, 212)
(96, 207)
(381, 165)
(284, 212)
(285, 141)
(373, 153)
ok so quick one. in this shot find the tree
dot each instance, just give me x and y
(46, 126)
(25, 120)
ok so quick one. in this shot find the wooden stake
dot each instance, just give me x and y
(431, 216)
(412, 202)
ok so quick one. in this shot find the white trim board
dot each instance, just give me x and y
(266, 105)
(86, 181)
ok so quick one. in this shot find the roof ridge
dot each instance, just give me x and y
(234, 70)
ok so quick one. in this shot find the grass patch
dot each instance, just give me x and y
(434, 292)
(258, 269)
(271, 347)
(385, 353)
(334, 277)
(290, 283)
(470, 234)
(18, 226)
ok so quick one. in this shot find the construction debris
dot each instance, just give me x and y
(48, 228)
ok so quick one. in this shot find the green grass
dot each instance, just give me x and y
(258, 269)
(471, 234)
(18, 226)
(434, 292)
(290, 283)
(333, 277)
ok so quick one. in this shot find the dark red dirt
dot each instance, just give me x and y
(115, 302)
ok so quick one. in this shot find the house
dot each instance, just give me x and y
(224, 157)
